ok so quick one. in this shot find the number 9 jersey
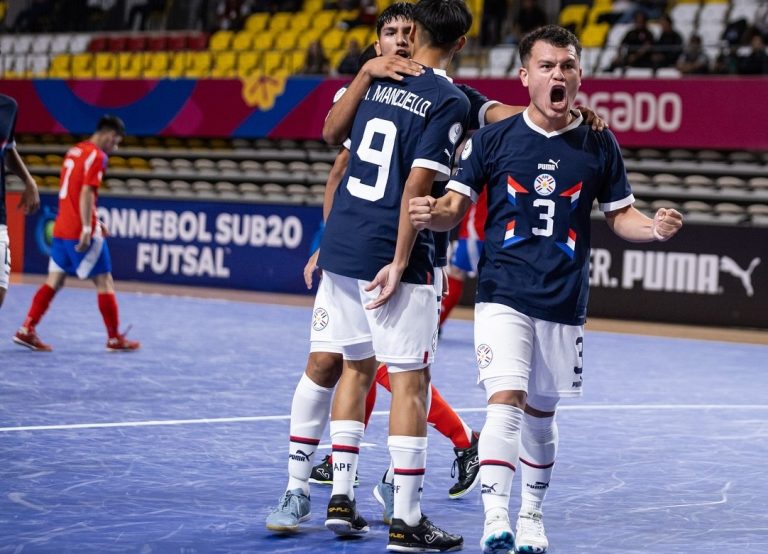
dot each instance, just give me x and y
(416, 122)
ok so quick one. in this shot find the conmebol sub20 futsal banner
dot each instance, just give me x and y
(719, 113)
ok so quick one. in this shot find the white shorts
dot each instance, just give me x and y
(5, 258)
(401, 332)
(540, 357)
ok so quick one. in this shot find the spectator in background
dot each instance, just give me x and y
(693, 60)
(756, 61)
(348, 64)
(230, 14)
(636, 47)
(669, 46)
(316, 62)
(531, 16)
(368, 11)
(726, 62)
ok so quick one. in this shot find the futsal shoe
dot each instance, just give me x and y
(423, 537)
(531, 538)
(497, 534)
(322, 473)
(292, 508)
(342, 517)
(468, 463)
(384, 493)
(27, 337)
(121, 344)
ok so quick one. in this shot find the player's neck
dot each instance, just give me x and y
(433, 57)
(549, 124)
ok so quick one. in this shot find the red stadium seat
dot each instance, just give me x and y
(177, 42)
(97, 44)
(157, 42)
(136, 43)
(197, 41)
(116, 43)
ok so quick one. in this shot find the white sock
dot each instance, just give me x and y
(538, 449)
(409, 456)
(390, 475)
(346, 436)
(497, 450)
(309, 413)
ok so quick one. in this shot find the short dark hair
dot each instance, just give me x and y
(109, 122)
(446, 21)
(403, 10)
(368, 54)
(552, 34)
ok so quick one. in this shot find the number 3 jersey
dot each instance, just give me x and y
(541, 187)
(83, 166)
(416, 122)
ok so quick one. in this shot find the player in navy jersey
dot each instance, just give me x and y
(543, 170)
(30, 198)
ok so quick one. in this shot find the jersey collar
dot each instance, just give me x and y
(572, 125)
(442, 74)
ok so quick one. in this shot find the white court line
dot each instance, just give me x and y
(574, 408)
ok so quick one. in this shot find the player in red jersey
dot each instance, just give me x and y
(78, 245)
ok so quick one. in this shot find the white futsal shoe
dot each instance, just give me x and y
(497, 533)
(531, 538)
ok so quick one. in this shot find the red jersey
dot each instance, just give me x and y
(83, 166)
(472, 226)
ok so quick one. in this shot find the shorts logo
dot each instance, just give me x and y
(544, 184)
(484, 356)
(319, 319)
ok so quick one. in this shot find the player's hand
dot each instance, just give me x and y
(666, 223)
(391, 66)
(591, 117)
(103, 227)
(420, 211)
(446, 288)
(387, 279)
(310, 268)
(85, 240)
(30, 198)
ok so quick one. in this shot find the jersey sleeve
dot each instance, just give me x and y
(93, 168)
(471, 176)
(339, 93)
(443, 131)
(615, 192)
(478, 105)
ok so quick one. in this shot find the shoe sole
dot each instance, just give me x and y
(344, 528)
(501, 541)
(121, 349)
(288, 528)
(380, 500)
(421, 548)
(466, 491)
(531, 550)
(31, 346)
(318, 482)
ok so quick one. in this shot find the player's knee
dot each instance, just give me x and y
(2, 297)
(514, 398)
(324, 368)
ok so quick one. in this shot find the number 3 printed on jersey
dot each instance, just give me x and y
(381, 158)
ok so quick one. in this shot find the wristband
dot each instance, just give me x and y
(87, 228)
(658, 236)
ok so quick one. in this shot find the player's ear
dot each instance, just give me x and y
(460, 44)
(523, 73)
(377, 47)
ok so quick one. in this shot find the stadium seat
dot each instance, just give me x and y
(242, 40)
(256, 22)
(224, 64)
(156, 64)
(106, 65)
(42, 44)
(332, 40)
(280, 21)
(221, 40)
(263, 41)
(573, 16)
(247, 63)
(136, 43)
(199, 64)
(324, 20)
(197, 41)
(82, 66)
(157, 43)
(308, 36)
(294, 61)
(286, 40)
(272, 61)
(60, 43)
(594, 35)
(79, 43)
(97, 44)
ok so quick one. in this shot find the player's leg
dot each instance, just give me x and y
(503, 343)
(5, 263)
(110, 314)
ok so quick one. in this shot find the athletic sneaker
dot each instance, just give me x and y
(424, 537)
(121, 344)
(384, 493)
(497, 534)
(531, 538)
(322, 473)
(27, 337)
(292, 509)
(468, 464)
(343, 518)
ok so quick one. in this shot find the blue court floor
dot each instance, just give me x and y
(181, 447)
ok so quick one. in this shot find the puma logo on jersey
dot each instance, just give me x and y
(551, 165)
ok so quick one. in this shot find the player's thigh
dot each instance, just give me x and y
(557, 359)
(339, 322)
(504, 346)
(404, 330)
(5, 262)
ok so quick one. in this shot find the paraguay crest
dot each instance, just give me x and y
(319, 319)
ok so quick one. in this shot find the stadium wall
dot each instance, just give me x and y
(685, 113)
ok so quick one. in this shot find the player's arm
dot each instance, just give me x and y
(30, 198)
(87, 196)
(438, 214)
(634, 226)
(339, 121)
(419, 183)
(498, 112)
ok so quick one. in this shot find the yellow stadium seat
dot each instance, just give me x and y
(346, 15)
(310, 35)
(247, 63)
(263, 40)
(117, 162)
(136, 162)
(332, 40)
(130, 65)
(61, 67)
(224, 65)
(360, 34)
(314, 6)
(301, 21)
(51, 181)
(295, 61)
(243, 40)
(594, 35)
(280, 21)
(156, 64)
(178, 66)
(324, 20)
(597, 10)
(82, 66)
(199, 64)
(335, 58)
(573, 15)
(33, 159)
(272, 61)
(256, 22)
(53, 160)
(106, 65)
(286, 40)
(221, 40)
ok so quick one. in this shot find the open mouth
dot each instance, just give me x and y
(557, 94)
(403, 53)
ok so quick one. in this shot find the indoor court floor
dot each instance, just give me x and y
(181, 447)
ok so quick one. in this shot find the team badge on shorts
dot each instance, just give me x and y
(484, 356)
(319, 319)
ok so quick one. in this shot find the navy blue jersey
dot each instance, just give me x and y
(541, 187)
(416, 122)
(478, 105)
(8, 111)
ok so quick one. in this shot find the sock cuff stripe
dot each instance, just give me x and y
(410, 471)
(304, 440)
(501, 463)
(536, 466)
(345, 448)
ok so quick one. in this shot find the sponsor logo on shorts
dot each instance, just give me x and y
(484, 356)
(319, 319)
